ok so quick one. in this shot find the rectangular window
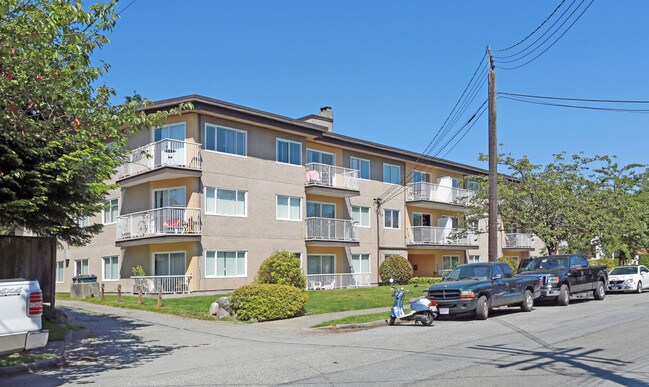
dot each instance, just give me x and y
(60, 271)
(472, 185)
(314, 156)
(81, 267)
(289, 208)
(84, 221)
(225, 202)
(111, 269)
(169, 263)
(473, 259)
(362, 166)
(111, 211)
(169, 197)
(320, 264)
(320, 210)
(419, 219)
(391, 173)
(226, 140)
(289, 152)
(420, 177)
(361, 215)
(172, 131)
(450, 261)
(391, 218)
(225, 263)
(360, 263)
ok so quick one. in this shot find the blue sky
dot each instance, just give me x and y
(392, 71)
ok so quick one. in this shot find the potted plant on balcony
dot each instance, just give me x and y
(81, 278)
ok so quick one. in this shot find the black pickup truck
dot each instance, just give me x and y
(478, 287)
(566, 275)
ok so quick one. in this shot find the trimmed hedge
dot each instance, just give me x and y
(424, 280)
(511, 261)
(397, 268)
(268, 302)
(282, 268)
(609, 262)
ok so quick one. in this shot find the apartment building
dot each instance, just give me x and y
(206, 198)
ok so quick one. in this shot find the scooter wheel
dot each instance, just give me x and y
(429, 319)
(392, 319)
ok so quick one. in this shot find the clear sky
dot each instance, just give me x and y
(392, 70)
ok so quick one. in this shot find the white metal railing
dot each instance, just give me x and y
(518, 240)
(163, 153)
(331, 229)
(331, 176)
(167, 283)
(439, 193)
(337, 281)
(159, 221)
(442, 236)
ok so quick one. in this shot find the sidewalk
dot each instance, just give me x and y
(306, 322)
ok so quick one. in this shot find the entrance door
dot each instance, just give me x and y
(168, 151)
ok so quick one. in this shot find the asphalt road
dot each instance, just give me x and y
(587, 343)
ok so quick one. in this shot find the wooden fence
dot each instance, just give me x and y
(29, 258)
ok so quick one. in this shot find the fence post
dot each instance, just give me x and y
(160, 298)
(102, 291)
(119, 293)
(139, 296)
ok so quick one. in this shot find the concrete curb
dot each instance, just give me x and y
(55, 361)
(348, 327)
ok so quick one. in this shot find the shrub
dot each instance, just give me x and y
(643, 260)
(511, 261)
(425, 280)
(397, 268)
(609, 262)
(268, 302)
(282, 268)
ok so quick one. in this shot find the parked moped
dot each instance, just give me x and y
(422, 309)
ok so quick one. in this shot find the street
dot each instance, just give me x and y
(587, 343)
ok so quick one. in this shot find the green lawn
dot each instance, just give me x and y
(16, 359)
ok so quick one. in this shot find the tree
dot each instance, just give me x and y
(61, 137)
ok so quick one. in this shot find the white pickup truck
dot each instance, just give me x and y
(21, 308)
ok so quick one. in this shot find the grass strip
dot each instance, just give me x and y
(358, 319)
(17, 359)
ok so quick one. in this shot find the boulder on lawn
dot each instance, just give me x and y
(224, 303)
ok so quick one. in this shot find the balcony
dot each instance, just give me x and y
(439, 197)
(329, 180)
(166, 224)
(518, 241)
(442, 237)
(164, 159)
(331, 232)
(338, 281)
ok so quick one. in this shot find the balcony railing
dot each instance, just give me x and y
(331, 229)
(337, 281)
(163, 153)
(159, 222)
(513, 240)
(442, 236)
(331, 176)
(439, 193)
(169, 284)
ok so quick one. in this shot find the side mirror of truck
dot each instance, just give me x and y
(497, 276)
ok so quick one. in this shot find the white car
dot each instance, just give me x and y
(628, 279)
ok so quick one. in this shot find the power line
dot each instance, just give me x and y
(575, 99)
(535, 30)
(466, 132)
(125, 8)
(576, 106)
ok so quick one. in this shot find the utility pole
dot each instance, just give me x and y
(378, 202)
(493, 164)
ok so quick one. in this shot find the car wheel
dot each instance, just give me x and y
(600, 292)
(639, 289)
(564, 296)
(429, 318)
(482, 309)
(392, 319)
(528, 302)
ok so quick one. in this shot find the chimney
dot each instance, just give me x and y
(325, 118)
(326, 111)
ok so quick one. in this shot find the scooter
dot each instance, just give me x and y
(422, 309)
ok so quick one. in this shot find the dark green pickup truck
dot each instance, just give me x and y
(478, 287)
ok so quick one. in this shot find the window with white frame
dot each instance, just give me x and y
(171, 131)
(320, 264)
(60, 271)
(84, 221)
(225, 202)
(81, 267)
(450, 261)
(289, 208)
(473, 259)
(391, 173)
(420, 176)
(225, 263)
(361, 215)
(472, 185)
(361, 165)
(111, 211)
(320, 210)
(289, 152)
(226, 140)
(169, 197)
(391, 218)
(315, 156)
(110, 268)
(360, 263)
(169, 263)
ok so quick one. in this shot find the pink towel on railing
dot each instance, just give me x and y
(172, 223)
(313, 176)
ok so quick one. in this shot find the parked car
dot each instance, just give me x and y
(566, 275)
(628, 279)
(478, 287)
(21, 308)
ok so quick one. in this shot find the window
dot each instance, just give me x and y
(643, 270)
(226, 140)
(472, 185)
(289, 152)
(420, 177)
(450, 261)
(110, 211)
(391, 173)
(81, 267)
(320, 264)
(110, 269)
(419, 219)
(169, 263)
(169, 197)
(289, 208)
(361, 215)
(497, 270)
(362, 166)
(507, 271)
(391, 219)
(225, 263)
(473, 259)
(225, 202)
(448, 221)
(84, 221)
(172, 131)
(360, 263)
(60, 271)
(314, 156)
(320, 210)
